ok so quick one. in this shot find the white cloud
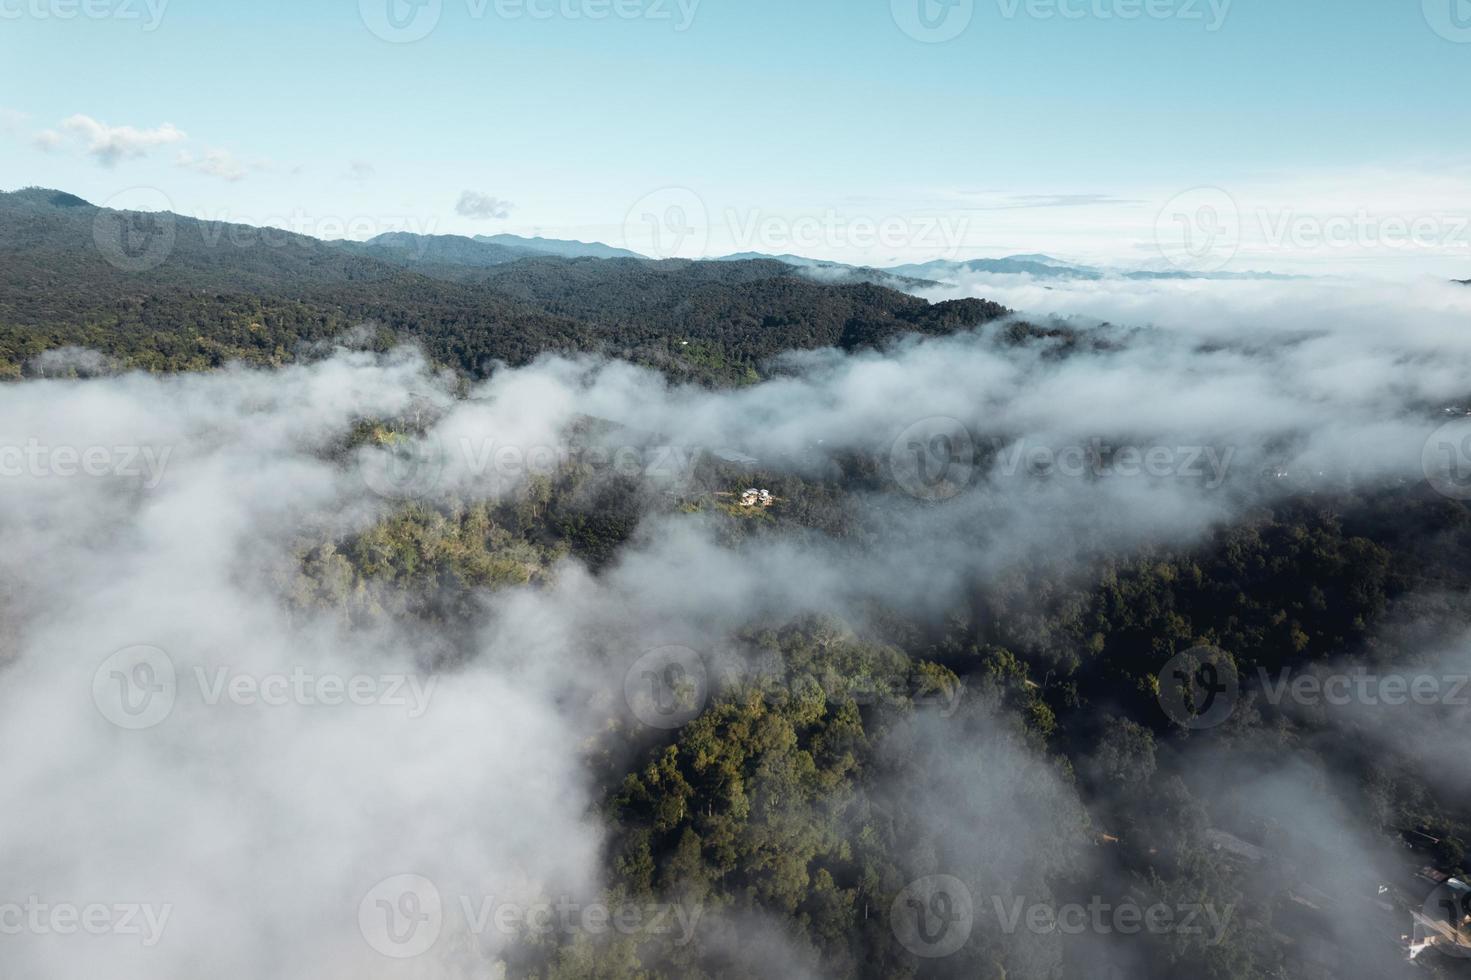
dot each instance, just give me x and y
(214, 163)
(109, 144)
(11, 120)
(473, 204)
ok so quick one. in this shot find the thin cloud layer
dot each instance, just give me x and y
(107, 144)
(474, 204)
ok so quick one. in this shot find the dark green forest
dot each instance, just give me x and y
(235, 293)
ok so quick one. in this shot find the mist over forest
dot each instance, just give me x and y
(593, 617)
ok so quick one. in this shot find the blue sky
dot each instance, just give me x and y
(1066, 126)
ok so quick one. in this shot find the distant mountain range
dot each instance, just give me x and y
(941, 271)
(1047, 267)
(170, 292)
(560, 247)
(457, 256)
(165, 292)
(485, 251)
(480, 252)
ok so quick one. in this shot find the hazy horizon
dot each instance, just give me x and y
(881, 134)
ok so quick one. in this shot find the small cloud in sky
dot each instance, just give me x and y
(1018, 202)
(213, 163)
(473, 204)
(48, 140)
(360, 170)
(109, 144)
(11, 119)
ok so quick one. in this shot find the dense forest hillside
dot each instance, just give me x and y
(165, 292)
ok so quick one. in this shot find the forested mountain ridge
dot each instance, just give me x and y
(195, 294)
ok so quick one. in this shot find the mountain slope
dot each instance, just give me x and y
(167, 292)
